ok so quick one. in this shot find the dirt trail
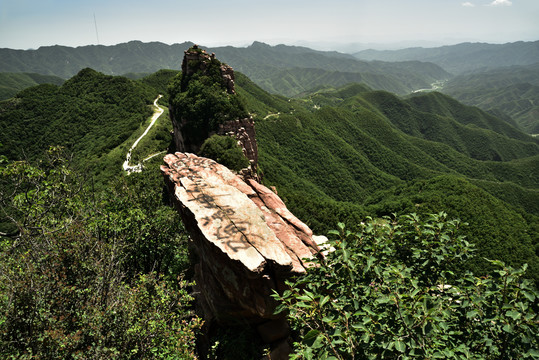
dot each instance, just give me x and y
(138, 167)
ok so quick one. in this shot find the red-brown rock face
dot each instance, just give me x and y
(243, 130)
(247, 241)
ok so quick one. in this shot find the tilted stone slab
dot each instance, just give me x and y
(247, 241)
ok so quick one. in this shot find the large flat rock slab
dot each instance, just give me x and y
(247, 241)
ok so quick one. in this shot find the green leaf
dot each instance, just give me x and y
(448, 353)
(359, 327)
(310, 337)
(529, 295)
(370, 261)
(496, 262)
(328, 319)
(346, 254)
(365, 338)
(508, 329)
(400, 346)
(305, 298)
(324, 300)
(513, 314)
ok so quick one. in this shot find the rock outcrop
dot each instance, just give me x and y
(247, 241)
(242, 129)
(198, 60)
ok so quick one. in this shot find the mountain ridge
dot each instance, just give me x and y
(338, 155)
(513, 91)
(464, 57)
(259, 61)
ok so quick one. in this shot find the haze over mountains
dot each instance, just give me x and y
(270, 66)
(465, 57)
(505, 91)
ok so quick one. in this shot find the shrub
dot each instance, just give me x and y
(225, 150)
(394, 290)
(86, 275)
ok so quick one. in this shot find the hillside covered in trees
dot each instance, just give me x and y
(288, 70)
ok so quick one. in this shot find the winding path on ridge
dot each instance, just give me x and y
(138, 167)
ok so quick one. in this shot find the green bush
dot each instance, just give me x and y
(226, 151)
(395, 290)
(90, 275)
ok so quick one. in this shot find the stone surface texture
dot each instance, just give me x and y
(246, 240)
(243, 130)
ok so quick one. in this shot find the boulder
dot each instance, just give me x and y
(246, 240)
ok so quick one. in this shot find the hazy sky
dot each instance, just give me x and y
(28, 24)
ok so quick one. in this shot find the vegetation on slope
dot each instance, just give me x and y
(348, 157)
(91, 274)
(91, 114)
(396, 289)
(225, 150)
(335, 156)
(200, 101)
(12, 83)
(513, 91)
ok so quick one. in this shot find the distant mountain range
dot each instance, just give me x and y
(264, 64)
(463, 58)
(501, 79)
(513, 91)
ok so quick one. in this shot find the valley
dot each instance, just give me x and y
(435, 86)
(422, 196)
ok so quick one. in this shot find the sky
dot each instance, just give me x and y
(329, 24)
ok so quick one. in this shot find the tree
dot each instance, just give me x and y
(225, 150)
(90, 275)
(395, 290)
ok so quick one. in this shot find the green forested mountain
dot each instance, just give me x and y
(334, 154)
(290, 70)
(341, 154)
(465, 57)
(107, 255)
(400, 78)
(64, 61)
(512, 90)
(264, 64)
(90, 114)
(91, 268)
(12, 83)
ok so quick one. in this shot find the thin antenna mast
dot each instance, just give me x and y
(96, 33)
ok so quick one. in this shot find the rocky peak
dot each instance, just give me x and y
(192, 129)
(198, 60)
(246, 241)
